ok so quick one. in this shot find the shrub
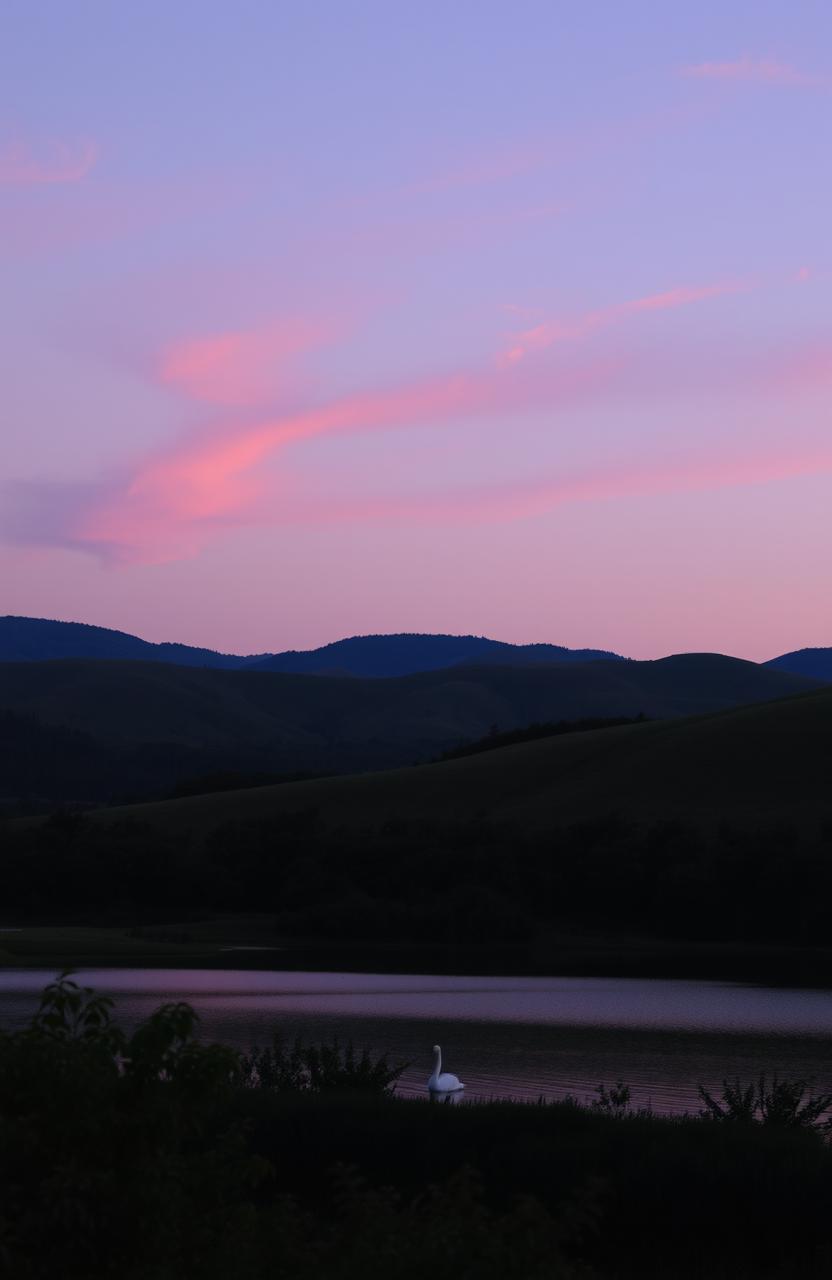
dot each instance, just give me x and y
(119, 1155)
(614, 1101)
(783, 1103)
(318, 1068)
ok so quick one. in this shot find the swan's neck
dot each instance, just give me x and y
(437, 1062)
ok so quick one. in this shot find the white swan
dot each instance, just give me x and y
(442, 1081)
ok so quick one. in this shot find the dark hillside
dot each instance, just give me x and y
(709, 830)
(756, 764)
(149, 726)
(140, 702)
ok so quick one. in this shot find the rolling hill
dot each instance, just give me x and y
(708, 829)
(148, 725)
(751, 765)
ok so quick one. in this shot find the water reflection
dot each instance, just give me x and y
(505, 1037)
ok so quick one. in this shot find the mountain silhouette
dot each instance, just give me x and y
(405, 654)
(42, 639)
(816, 663)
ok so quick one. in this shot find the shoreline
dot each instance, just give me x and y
(249, 943)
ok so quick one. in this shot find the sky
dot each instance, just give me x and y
(349, 317)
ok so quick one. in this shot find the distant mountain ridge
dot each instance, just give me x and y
(400, 654)
(815, 663)
(406, 654)
(42, 640)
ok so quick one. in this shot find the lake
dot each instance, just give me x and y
(520, 1038)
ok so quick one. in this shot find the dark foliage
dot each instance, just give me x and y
(668, 881)
(646, 1198)
(114, 1151)
(786, 1104)
(318, 1068)
(140, 1157)
(129, 1156)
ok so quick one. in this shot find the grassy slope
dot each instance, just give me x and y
(762, 762)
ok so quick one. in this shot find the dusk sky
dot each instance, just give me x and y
(329, 318)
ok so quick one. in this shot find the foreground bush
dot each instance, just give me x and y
(317, 1068)
(128, 1156)
(143, 1157)
(786, 1104)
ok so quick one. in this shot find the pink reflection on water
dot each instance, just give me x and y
(650, 1004)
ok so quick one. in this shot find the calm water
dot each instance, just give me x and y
(505, 1037)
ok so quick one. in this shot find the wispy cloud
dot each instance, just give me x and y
(24, 166)
(548, 333)
(513, 501)
(748, 70)
(168, 506)
(238, 368)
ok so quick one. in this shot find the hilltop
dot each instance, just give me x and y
(401, 655)
(815, 663)
(44, 639)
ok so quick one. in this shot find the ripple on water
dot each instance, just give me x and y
(519, 1038)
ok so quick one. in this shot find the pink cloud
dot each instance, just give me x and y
(153, 522)
(517, 501)
(169, 505)
(748, 70)
(58, 162)
(237, 368)
(547, 334)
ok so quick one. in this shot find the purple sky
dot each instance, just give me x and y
(329, 318)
